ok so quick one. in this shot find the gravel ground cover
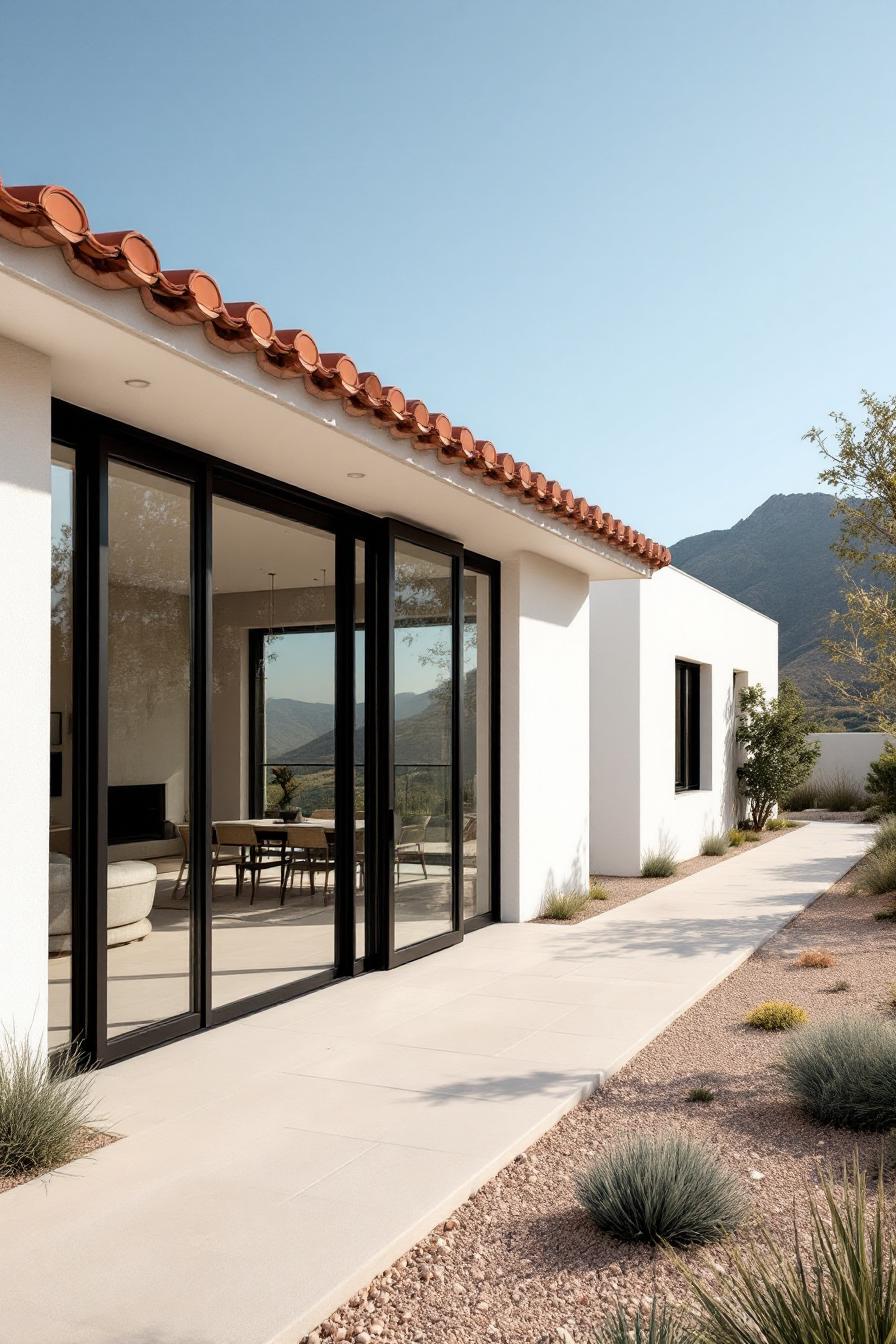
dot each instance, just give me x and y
(621, 890)
(88, 1141)
(520, 1262)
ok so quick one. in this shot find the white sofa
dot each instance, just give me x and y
(131, 887)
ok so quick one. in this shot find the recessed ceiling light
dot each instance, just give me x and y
(356, 475)
(136, 382)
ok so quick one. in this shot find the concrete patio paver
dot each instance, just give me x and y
(271, 1167)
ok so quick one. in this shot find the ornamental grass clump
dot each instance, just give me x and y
(840, 792)
(884, 836)
(775, 1015)
(662, 1189)
(702, 1096)
(837, 1285)
(799, 798)
(715, 843)
(736, 837)
(44, 1107)
(844, 1072)
(877, 875)
(780, 824)
(660, 861)
(597, 891)
(564, 904)
(662, 1326)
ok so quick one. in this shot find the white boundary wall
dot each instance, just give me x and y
(847, 753)
(24, 687)
(637, 632)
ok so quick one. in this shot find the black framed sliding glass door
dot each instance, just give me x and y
(273, 740)
(424, 747)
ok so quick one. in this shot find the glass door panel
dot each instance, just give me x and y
(61, 930)
(424, 711)
(476, 739)
(150, 929)
(273, 752)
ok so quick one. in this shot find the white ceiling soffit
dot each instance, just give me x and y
(224, 405)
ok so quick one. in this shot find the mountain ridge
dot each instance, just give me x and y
(778, 560)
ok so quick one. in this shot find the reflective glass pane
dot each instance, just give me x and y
(476, 739)
(273, 751)
(62, 483)
(360, 833)
(149, 670)
(423, 704)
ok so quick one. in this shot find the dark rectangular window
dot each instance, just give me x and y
(687, 725)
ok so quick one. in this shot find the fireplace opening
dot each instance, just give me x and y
(136, 812)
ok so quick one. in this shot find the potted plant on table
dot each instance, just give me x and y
(284, 777)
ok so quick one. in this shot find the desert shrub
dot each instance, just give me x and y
(597, 891)
(660, 1327)
(815, 960)
(780, 824)
(775, 1015)
(799, 798)
(736, 837)
(840, 792)
(660, 861)
(844, 1072)
(838, 1286)
(880, 784)
(839, 987)
(43, 1107)
(564, 904)
(701, 1095)
(889, 913)
(655, 1188)
(877, 875)
(713, 843)
(750, 835)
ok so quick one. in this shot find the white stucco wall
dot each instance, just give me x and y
(633, 732)
(544, 732)
(24, 687)
(847, 753)
(615, 830)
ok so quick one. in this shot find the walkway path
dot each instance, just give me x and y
(271, 1167)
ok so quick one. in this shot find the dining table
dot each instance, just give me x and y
(271, 830)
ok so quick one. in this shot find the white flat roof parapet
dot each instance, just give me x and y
(723, 597)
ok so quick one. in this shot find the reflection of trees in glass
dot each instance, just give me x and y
(61, 590)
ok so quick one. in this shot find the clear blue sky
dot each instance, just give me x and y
(642, 246)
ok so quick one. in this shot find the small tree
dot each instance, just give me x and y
(862, 472)
(778, 754)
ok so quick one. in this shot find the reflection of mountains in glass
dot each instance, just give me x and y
(300, 731)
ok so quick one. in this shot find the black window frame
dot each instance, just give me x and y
(687, 726)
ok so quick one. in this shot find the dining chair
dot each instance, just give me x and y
(409, 845)
(251, 856)
(307, 851)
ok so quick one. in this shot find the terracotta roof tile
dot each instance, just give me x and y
(51, 216)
